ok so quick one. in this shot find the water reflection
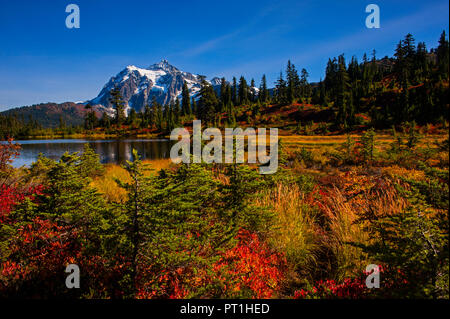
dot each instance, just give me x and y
(110, 151)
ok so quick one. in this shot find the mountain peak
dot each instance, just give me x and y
(132, 67)
(216, 81)
(163, 65)
(139, 86)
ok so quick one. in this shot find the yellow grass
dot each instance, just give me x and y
(294, 225)
(321, 140)
(107, 186)
(395, 170)
(342, 214)
(343, 231)
(158, 164)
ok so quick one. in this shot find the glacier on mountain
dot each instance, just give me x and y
(138, 86)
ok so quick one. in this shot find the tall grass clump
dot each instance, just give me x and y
(347, 228)
(294, 232)
(341, 233)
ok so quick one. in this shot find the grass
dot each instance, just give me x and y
(107, 186)
(316, 232)
(294, 230)
(318, 204)
(343, 231)
(318, 235)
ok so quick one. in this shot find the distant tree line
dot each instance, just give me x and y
(15, 125)
(411, 86)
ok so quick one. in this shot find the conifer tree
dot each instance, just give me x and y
(89, 165)
(263, 91)
(305, 87)
(280, 90)
(132, 118)
(243, 91)
(169, 116)
(223, 90)
(234, 91)
(90, 119)
(344, 103)
(331, 77)
(118, 104)
(134, 223)
(239, 199)
(194, 107)
(70, 200)
(323, 98)
(293, 83)
(421, 63)
(177, 113)
(105, 120)
(443, 56)
(252, 91)
(147, 117)
(186, 100)
(368, 146)
(207, 102)
(159, 116)
(231, 118)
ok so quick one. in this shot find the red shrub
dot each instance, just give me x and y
(250, 267)
(248, 270)
(355, 288)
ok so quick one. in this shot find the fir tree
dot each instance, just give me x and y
(293, 83)
(147, 117)
(280, 90)
(344, 103)
(443, 56)
(194, 107)
(207, 102)
(305, 88)
(159, 115)
(252, 91)
(132, 118)
(105, 120)
(118, 104)
(89, 165)
(243, 91)
(177, 113)
(186, 100)
(263, 91)
(134, 221)
(234, 91)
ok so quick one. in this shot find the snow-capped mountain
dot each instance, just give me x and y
(162, 80)
(216, 81)
(138, 86)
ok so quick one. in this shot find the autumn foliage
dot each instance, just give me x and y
(226, 232)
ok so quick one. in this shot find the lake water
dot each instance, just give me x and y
(110, 151)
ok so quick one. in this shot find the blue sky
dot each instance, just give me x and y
(43, 61)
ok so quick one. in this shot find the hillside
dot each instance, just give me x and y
(50, 114)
